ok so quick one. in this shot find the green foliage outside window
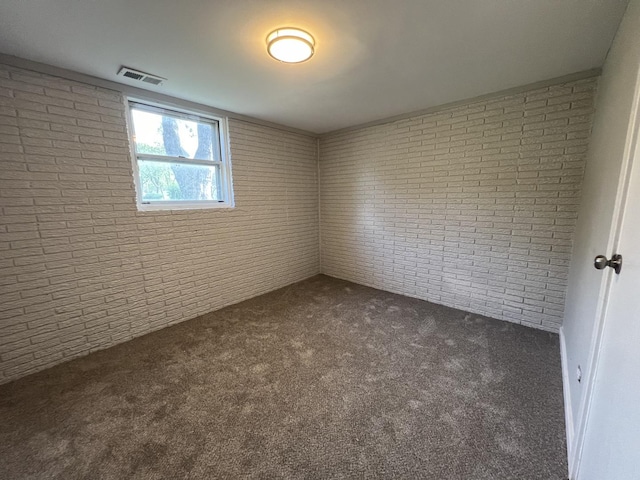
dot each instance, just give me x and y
(169, 181)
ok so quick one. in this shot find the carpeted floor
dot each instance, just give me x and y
(322, 379)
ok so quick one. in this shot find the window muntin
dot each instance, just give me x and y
(180, 159)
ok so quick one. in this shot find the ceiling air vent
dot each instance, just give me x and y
(140, 76)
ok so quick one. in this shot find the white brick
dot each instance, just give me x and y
(86, 270)
(472, 213)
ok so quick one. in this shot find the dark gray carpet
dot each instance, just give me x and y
(322, 379)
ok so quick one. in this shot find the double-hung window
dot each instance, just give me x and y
(181, 159)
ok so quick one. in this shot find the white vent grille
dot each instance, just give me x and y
(140, 76)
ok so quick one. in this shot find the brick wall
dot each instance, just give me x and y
(82, 269)
(472, 207)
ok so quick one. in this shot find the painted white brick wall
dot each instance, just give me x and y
(472, 207)
(81, 269)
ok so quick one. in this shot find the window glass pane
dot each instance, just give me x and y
(164, 181)
(158, 134)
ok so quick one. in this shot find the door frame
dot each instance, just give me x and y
(631, 151)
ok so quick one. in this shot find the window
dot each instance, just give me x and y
(180, 159)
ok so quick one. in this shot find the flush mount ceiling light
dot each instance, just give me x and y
(290, 45)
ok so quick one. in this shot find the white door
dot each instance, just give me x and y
(587, 312)
(611, 448)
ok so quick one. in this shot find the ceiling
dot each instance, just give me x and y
(374, 58)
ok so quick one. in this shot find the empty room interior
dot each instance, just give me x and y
(295, 239)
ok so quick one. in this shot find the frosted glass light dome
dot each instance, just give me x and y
(290, 45)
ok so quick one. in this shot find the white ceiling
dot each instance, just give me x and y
(374, 58)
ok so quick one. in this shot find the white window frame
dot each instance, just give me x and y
(222, 140)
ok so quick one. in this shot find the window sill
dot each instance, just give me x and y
(184, 206)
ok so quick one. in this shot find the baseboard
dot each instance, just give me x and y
(568, 412)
